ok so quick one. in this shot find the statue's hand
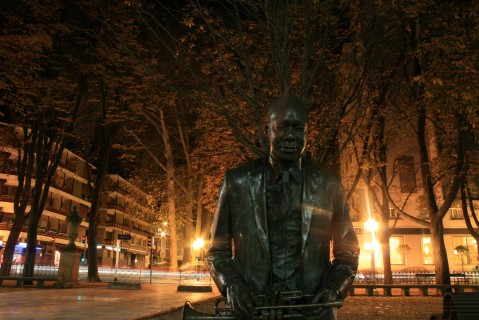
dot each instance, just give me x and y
(324, 295)
(241, 299)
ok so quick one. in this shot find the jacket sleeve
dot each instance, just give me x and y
(345, 248)
(219, 252)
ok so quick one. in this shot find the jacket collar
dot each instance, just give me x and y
(311, 185)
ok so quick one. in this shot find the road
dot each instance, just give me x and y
(108, 274)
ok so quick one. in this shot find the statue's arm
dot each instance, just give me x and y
(219, 253)
(345, 248)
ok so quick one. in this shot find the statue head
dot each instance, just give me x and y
(288, 118)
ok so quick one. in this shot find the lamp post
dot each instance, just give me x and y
(372, 226)
(197, 245)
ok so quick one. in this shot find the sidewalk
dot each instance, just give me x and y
(93, 301)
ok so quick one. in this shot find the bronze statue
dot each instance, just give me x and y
(276, 220)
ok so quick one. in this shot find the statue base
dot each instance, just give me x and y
(194, 288)
(68, 269)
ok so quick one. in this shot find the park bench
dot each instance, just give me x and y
(40, 281)
(425, 277)
(405, 289)
(431, 278)
(459, 278)
(459, 306)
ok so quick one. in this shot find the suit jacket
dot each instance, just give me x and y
(239, 244)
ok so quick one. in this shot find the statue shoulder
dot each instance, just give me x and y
(246, 169)
(322, 171)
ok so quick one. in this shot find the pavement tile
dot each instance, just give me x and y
(93, 301)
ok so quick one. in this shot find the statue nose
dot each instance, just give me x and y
(290, 133)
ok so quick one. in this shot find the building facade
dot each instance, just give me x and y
(122, 211)
(124, 214)
(410, 242)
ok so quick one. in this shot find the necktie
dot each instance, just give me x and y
(289, 178)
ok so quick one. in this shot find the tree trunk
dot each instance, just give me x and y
(10, 246)
(170, 182)
(386, 250)
(188, 235)
(439, 252)
(29, 266)
(199, 232)
(105, 132)
(172, 217)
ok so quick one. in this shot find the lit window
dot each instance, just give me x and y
(394, 214)
(398, 250)
(426, 250)
(456, 213)
(465, 250)
(407, 174)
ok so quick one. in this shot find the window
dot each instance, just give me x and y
(354, 215)
(394, 214)
(465, 250)
(456, 213)
(359, 230)
(398, 250)
(407, 174)
(426, 250)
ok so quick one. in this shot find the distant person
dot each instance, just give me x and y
(276, 219)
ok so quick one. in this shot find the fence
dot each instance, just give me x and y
(425, 277)
(125, 275)
(40, 270)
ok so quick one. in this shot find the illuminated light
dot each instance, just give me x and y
(199, 243)
(22, 244)
(99, 247)
(372, 225)
(163, 234)
(367, 246)
(372, 246)
(165, 223)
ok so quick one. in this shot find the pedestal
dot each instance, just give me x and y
(68, 269)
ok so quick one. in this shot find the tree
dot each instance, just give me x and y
(44, 112)
(439, 99)
(239, 54)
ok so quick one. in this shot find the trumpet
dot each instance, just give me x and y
(293, 311)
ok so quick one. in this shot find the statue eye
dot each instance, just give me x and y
(300, 128)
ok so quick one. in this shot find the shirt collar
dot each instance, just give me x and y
(277, 168)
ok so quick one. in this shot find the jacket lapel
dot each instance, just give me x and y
(311, 184)
(258, 198)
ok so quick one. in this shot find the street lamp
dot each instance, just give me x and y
(372, 226)
(197, 245)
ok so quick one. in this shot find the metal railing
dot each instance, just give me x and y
(125, 275)
(426, 277)
(40, 270)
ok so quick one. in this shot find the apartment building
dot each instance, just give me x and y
(68, 191)
(410, 242)
(123, 211)
(125, 222)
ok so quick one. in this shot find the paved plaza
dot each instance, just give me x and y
(93, 302)
(163, 302)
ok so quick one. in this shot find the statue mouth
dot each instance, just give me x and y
(289, 149)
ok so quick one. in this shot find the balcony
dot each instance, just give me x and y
(7, 198)
(115, 206)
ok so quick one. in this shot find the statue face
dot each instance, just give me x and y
(287, 134)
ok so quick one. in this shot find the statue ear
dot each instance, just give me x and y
(266, 129)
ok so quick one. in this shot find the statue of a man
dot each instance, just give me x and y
(276, 221)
